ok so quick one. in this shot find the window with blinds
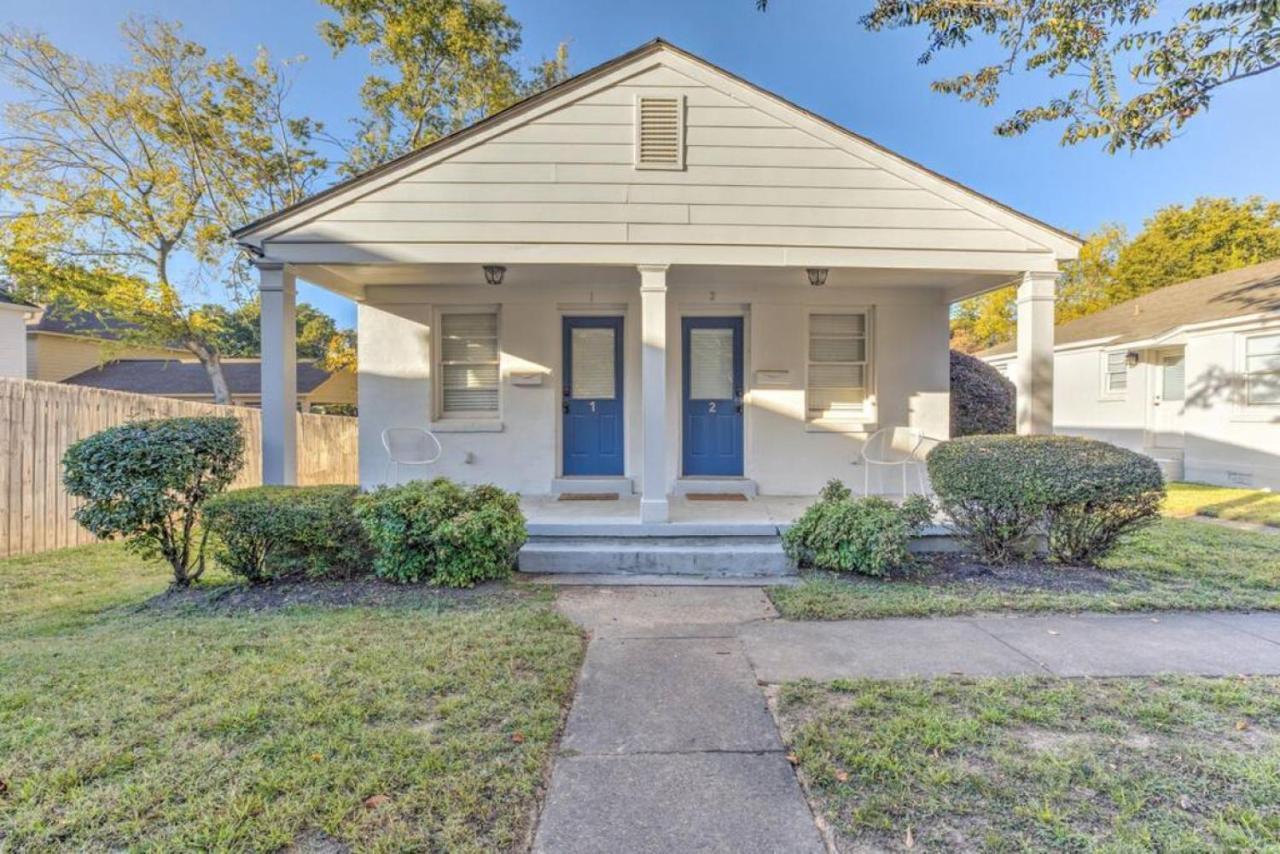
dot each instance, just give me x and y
(839, 366)
(1115, 374)
(469, 365)
(1262, 370)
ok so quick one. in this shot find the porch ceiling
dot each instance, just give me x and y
(352, 280)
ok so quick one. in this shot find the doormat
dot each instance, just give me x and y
(715, 496)
(587, 496)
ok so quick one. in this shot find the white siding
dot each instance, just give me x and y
(568, 177)
(13, 344)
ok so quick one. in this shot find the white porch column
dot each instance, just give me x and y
(1035, 353)
(653, 377)
(279, 375)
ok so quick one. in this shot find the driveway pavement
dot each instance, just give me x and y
(670, 746)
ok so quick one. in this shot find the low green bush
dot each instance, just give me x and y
(1004, 493)
(147, 482)
(273, 533)
(847, 534)
(443, 533)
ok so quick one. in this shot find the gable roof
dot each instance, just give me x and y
(1235, 293)
(174, 378)
(350, 189)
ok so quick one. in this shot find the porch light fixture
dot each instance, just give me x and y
(493, 273)
(817, 276)
(1131, 358)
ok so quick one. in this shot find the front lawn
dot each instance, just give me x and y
(1175, 764)
(1223, 502)
(1172, 564)
(427, 724)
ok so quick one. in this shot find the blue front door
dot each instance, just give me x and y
(712, 398)
(592, 400)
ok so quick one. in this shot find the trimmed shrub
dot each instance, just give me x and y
(847, 534)
(273, 533)
(441, 532)
(146, 482)
(1004, 492)
(982, 400)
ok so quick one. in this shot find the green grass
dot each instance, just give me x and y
(1223, 502)
(1173, 564)
(1171, 764)
(126, 727)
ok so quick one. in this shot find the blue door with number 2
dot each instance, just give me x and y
(592, 399)
(712, 397)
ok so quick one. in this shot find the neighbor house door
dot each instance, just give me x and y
(712, 398)
(592, 400)
(1169, 399)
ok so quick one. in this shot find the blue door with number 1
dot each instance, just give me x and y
(712, 397)
(592, 399)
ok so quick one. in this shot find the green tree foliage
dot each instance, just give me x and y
(128, 179)
(1175, 62)
(318, 336)
(1176, 244)
(442, 64)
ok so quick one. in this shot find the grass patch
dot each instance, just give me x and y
(1170, 764)
(1171, 564)
(123, 727)
(1223, 502)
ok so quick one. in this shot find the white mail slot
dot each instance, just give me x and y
(530, 378)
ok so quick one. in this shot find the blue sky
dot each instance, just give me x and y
(810, 51)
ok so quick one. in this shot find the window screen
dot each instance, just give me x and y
(710, 364)
(469, 364)
(838, 365)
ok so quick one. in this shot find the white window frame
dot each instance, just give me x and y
(863, 421)
(1243, 347)
(469, 421)
(1109, 392)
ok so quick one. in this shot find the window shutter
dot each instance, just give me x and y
(659, 132)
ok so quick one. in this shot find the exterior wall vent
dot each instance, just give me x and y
(659, 132)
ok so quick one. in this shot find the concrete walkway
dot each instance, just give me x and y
(670, 746)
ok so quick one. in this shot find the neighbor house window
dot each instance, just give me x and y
(1115, 378)
(1262, 370)
(468, 364)
(839, 366)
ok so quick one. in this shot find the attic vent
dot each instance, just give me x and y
(660, 132)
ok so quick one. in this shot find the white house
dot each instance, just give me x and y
(13, 341)
(1189, 374)
(654, 276)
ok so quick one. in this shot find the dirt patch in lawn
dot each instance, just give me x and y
(949, 569)
(364, 592)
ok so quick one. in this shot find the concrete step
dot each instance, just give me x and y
(716, 486)
(1170, 460)
(622, 486)
(720, 557)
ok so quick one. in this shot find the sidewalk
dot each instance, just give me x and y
(670, 745)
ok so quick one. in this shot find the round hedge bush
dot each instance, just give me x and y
(1001, 492)
(982, 400)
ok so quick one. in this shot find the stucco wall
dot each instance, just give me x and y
(783, 454)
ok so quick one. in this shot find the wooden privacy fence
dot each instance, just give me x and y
(39, 421)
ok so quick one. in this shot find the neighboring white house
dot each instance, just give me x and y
(650, 276)
(13, 340)
(1189, 374)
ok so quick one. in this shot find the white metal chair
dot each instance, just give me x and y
(893, 446)
(409, 446)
